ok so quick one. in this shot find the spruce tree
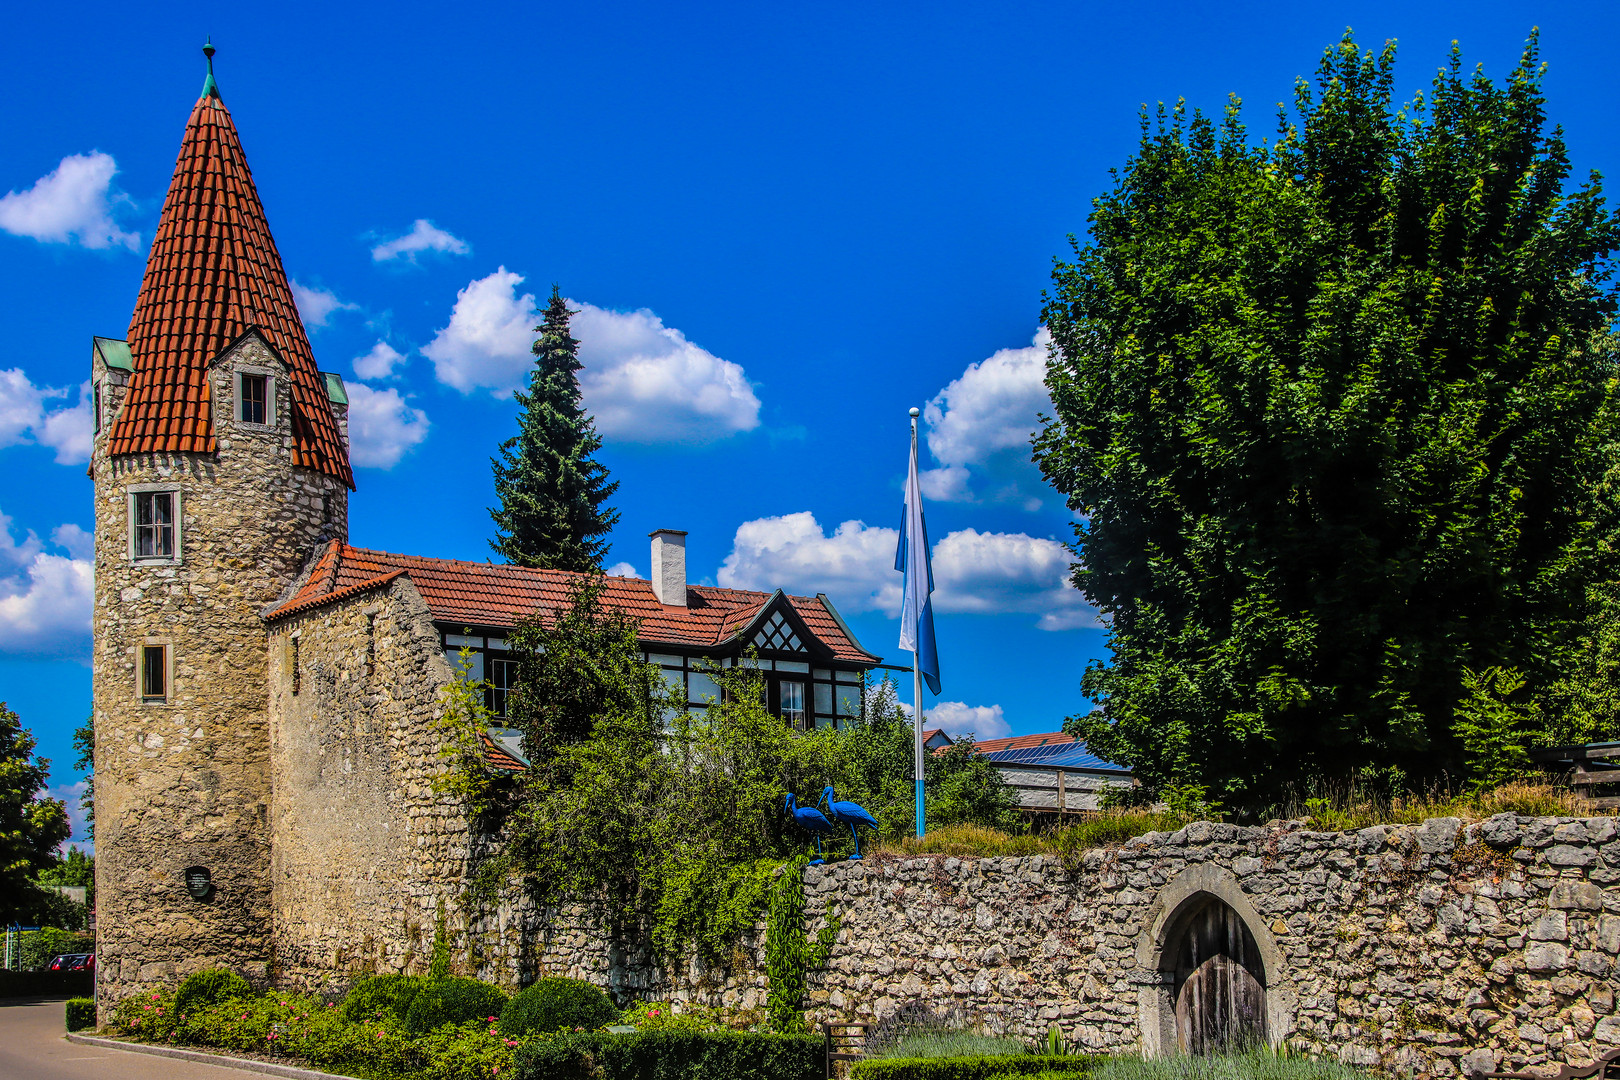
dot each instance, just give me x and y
(551, 489)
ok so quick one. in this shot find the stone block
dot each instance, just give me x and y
(1576, 896)
(1570, 855)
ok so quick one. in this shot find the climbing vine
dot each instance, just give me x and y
(463, 720)
(789, 954)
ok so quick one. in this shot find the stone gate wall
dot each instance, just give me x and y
(1428, 949)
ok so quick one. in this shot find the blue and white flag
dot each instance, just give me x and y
(911, 558)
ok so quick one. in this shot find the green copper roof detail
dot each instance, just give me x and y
(210, 87)
(334, 388)
(114, 353)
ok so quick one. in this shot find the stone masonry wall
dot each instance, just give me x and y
(366, 855)
(187, 781)
(1425, 949)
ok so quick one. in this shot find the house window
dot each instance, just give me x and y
(297, 669)
(791, 697)
(95, 416)
(155, 674)
(254, 399)
(778, 635)
(154, 526)
(502, 681)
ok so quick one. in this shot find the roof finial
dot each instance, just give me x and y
(210, 87)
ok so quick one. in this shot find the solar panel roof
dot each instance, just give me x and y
(1067, 755)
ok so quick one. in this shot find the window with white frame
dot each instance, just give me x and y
(155, 525)
(255, 403)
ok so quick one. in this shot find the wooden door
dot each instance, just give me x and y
(1220, 990)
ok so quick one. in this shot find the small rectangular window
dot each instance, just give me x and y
(155, 673)
(255, 407)
(154, 524)
(502, 680)
(793, 703)
(95, 417)
(297, 669)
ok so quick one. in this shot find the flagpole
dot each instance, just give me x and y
(916, 679)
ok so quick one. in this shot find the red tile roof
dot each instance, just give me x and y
(499, 597)
(496, 758)
(214, 273)
(1020, 742)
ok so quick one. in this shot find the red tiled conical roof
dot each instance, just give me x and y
(214, 273)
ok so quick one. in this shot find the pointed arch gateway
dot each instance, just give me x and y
(1214, 973)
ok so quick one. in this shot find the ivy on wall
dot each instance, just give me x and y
(789, 954)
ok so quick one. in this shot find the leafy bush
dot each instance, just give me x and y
(557, 1004)
(209, 987)
(672, 1055)
(81, 1013)
(687, 1017)
(452, 1001)
(1260, 1063)
(377, 996)
(972, 1068)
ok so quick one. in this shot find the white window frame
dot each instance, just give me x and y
(269, 377)
(136, 490)
(168, 672)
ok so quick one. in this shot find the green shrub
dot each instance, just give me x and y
(209, 987)
(452, 1001)
(663, 1015)
(972, 1068)
(81, 1013)
(557, 1004)
(377, 996)
(36, 948)
(672, 1055)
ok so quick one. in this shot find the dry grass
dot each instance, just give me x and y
(1342, 811)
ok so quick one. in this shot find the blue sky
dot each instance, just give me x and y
(783, 229)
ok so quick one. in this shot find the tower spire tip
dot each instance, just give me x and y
(210, 87)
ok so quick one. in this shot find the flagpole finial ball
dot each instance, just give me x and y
(916, 412)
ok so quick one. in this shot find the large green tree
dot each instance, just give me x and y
(1336, 408)
(30, 827)
(551, 488)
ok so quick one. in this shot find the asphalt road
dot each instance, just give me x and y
(32, 1048)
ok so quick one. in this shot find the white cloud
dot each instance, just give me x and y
(645, 382)
(379, 363)
(958, 718)
(76, 541)
(854, 565)
(974, 572)
(489, 339)
(72, 204)
(979, 428)
(317, 305)
(642, 381)
(993, 573)
(44, 597)
(67, 431)
(24, 419)
(382, 426)
(621, 569)
(424, 236)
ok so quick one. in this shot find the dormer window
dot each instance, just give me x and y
(777, 634)
(254, 398)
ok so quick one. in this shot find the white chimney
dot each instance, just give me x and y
(669, 566)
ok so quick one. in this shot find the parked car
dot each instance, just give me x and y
(84, 962)
(69, 962)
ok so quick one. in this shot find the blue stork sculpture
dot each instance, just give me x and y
(850, 814)
(812, 821)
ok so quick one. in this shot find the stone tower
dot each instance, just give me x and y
(220, 463)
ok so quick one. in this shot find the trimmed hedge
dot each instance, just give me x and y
(209, 987)
(672, 1055)
(557, 1004)
(452, 1001)
(376, 996)
(47, 984)
(81, 1013)
(971, 1068)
